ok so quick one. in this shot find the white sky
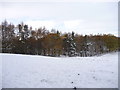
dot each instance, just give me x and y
(85, 17)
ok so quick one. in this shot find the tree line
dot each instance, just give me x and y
(22, 39)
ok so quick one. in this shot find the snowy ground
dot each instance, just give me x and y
(25, 71)
(0, 72)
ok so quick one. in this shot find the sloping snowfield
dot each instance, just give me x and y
(0, 71)
(27, 71)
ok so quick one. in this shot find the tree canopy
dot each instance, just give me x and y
(22, 39)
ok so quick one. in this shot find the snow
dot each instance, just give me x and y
(0, 72)
(27, 71)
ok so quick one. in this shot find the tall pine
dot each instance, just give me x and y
(71, 45)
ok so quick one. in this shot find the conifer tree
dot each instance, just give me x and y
(71, 45)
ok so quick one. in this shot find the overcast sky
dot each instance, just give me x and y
(80, 17)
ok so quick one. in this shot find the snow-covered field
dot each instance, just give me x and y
(0, 72)
(27, 71)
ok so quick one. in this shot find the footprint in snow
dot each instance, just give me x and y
(94, 78)
(43, 80)
(75, 88)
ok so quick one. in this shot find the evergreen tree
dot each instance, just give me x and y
(72, 47)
